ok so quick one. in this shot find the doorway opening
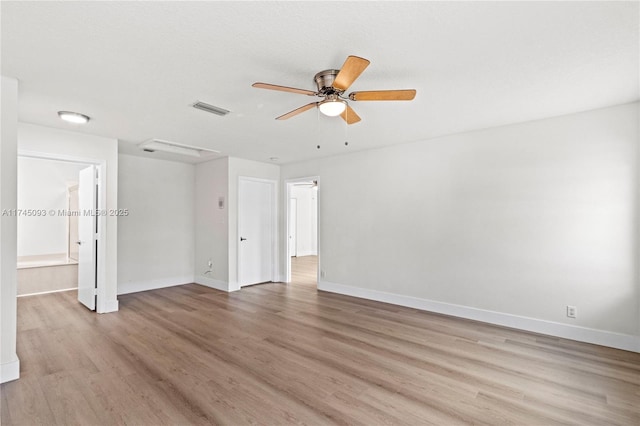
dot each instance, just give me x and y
(302, 259)
(58, 226)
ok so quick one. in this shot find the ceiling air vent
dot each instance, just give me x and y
(153, 145)
(210, 108)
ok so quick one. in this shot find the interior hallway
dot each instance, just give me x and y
(304, 270)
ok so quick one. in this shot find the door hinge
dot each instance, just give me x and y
(95, 291)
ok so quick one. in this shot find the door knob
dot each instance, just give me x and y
(78, 242)
(243, 239)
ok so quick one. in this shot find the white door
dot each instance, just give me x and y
(255, 228)
(72, 222)
(293, 226)
(87, 203)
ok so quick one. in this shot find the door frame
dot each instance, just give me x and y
(273, 232)
(101, 167)
(288, 184)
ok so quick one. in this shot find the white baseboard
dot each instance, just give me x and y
(134, 287)
(110, 306)
(10, 371)
(582, 334)
(212, 283)
(306, 253)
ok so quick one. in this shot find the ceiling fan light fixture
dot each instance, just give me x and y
(73, 117)
(332, 107)
(332, 85)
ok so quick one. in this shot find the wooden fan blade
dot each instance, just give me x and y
(383, 95)
(297, 111)
(283, 88)
(351, 69)
(349, 115)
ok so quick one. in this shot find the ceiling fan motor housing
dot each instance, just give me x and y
(324, 80)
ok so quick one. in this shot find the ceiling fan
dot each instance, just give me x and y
(331, 86)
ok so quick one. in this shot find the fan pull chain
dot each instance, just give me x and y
(346, 127)
(318, 127)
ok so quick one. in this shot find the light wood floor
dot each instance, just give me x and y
(304, 271)
(279, 354)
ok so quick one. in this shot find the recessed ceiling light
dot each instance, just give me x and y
(73, 117)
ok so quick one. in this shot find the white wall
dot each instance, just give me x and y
(212, 224)
(63, 143)
(156, 243)
(306, 226)
(217, 229)
(42, 185)
(507, 225)
(9, 362)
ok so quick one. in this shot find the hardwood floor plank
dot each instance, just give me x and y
(289, 354)
(24, 402)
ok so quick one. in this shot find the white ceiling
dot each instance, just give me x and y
(136, 67)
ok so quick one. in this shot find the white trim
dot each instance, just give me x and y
(109, 306)
(47, 292)
(136, 286)
(59, 157)
(101, 267)
(213, 283)
(10, 371)
(566, 331)
(234, 286)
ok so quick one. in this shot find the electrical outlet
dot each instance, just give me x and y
(209, 267)
(322, 273)
(572, 311)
